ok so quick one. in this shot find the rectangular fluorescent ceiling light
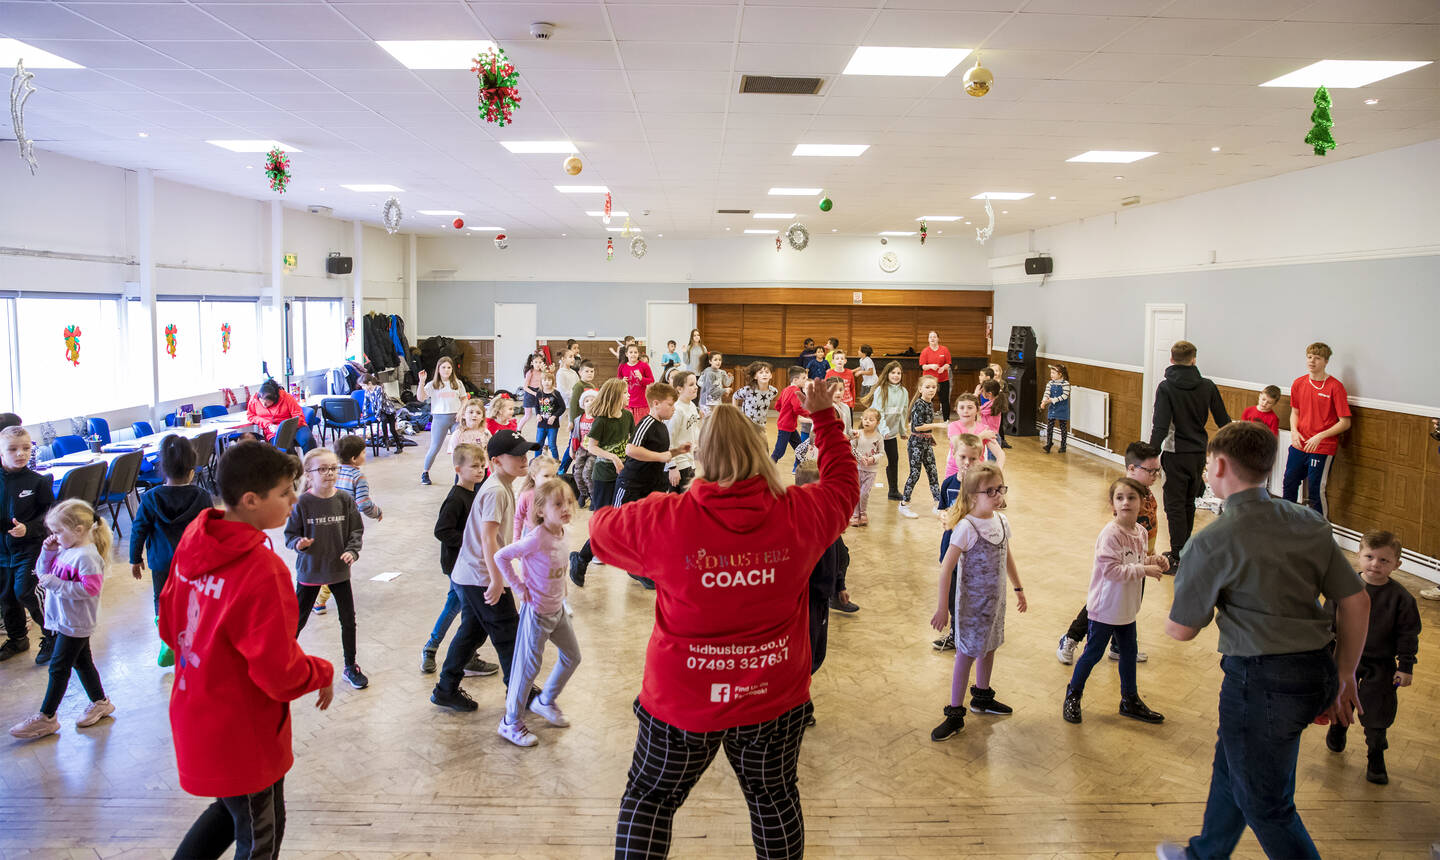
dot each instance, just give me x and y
(596, 213)
(1110, 156)
(372, 188)
(795, 192)
(775, 216)
(252, 145)
(13, 51)
(905, 62)
(833, 150)
(1344, 74)
(530, 147)
(454, 212)
(437, 53)
(939, 218)
(486, 229)
(763, 232)
(1003, 195)
(897, 232)
(622, 230)
(582, 189)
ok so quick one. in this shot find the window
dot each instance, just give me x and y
(181, 374)
(317, 334)
(236, 362)
(9, 395)
(58, 383)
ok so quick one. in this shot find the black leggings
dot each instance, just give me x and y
(892, 466)
(1050, 432)
(344, 601)
(71, 652)
(255, 823)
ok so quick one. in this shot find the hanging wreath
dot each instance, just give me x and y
(498, 94)
(798, 235)
(225, 337)
(72, 344)
(277, 167)
(170, 339)
(638, 247)
(391, 215)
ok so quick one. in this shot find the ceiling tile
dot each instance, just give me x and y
(261, 21)
(414, 20)
(335, 55)
(674, 24)
(664, 56)
(1036, 32)
(1371, 11)
(79, 81)
(171, 81)
(222, 55)
(803, 25)
(1182, 36)
(1306, 41)
(273, 81)
(572, 56)
(792, 59)
(141, 21)
(47, 21)
(356, 81)
(106, 54)
(896, 28)
(574, 22)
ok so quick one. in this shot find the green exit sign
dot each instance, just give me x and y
(289, 260)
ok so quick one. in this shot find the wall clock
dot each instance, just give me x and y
(889, 262)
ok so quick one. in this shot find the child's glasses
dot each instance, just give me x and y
(327, 470)
(996, 492)
(1154, 473)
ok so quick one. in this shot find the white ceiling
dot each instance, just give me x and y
(648, 92)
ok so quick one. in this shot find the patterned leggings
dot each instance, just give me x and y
(922, 453)
(580, 469)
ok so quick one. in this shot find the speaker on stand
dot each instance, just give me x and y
(1021, 381)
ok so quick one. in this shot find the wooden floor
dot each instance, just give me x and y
(384, 773)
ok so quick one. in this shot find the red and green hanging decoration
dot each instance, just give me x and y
(1320, 137)
(170, 339)
(72, 344)
(225, 337)
(609, 249)
(498, 93)
(923, 232)
(277, 167)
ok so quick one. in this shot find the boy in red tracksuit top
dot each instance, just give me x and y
(229, 613)
(788, 414)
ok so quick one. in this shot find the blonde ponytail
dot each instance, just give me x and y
(73, 513)
(104, 540)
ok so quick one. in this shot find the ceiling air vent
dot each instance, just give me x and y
(732, 211)
(780, 86)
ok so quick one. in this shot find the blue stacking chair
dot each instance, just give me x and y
(341, 413)
(213, 411)
(305, 435)
(65, 445)
(169, 419)
(100, 427)
(142, 428)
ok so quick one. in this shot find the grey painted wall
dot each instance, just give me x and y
(1381, 317)
(467, 308)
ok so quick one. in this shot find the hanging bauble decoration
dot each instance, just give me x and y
(609, 249)
(978, 79)
(277, 167)
(826, 204)
(777, 244)
(72, 344)
(922, 232)
(573, 165)
(501, 241)
(391, 215)
(20, 90)
(225, 337)
(170, 331)
(458, 223)
(1320, 138)
(798, 236)
(638, 248)
(605, 217)
(498, 94)
(982, 234)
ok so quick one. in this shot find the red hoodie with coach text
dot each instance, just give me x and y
(229, 612)
(731, 565)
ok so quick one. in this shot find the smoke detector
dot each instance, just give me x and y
(317, 209)
(542, 30)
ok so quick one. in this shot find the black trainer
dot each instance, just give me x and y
(982, 701)
(1335, 738)
(1375, 767)
(47, 647)
(945, 644)
(577, 569)
(476, 666)
(425, 478)
(1132, 707)
(1071, 709)
(355, 677)
(13, 647)
(456, 699)
(954, 724)
(894, 496)
(842, 606)
(427, 661)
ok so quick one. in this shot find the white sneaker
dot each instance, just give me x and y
(1065, 651)
(879, 485)
(551, 712)
(517, 733)
(95, 713)
(36, 726)
(1431, 593)
(906, 512)
(1140, 656)
(1170, 851)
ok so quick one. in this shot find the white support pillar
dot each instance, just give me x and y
(145, 262)
(412, 304)
(358, 290)
(274, 294)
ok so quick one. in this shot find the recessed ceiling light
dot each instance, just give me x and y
(834, 229)
(833, 150)
(1372, 101)
(761, 232)
(363, 187)
(252, 145)
(1214, 149)
(795, 192)
(582, 189)
(905, 62)
(437, 53)
(143, 134)
(1110, 156)
(1004, 211)
(322, 188)
(563, 235)
(1344, 74)
(661, 235)
(774, 216)
(487, 229)
(1003, 195)
(530, 147)
(1052, 196)
(897, 232)
(939, 218)
(13, 51)
(249, 167)
(596, 213)
(1118, 176)
(449, 212)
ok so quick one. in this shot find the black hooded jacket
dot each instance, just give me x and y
(1182, 401)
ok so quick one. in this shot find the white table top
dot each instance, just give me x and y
(236, 423)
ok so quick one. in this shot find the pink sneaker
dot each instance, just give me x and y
(37, 726)
(95, 713)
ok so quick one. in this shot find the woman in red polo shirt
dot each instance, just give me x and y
(728, 662)
(935, 361)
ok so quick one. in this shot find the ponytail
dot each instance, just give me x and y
(103, 539)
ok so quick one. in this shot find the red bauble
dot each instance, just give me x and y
(458, 223)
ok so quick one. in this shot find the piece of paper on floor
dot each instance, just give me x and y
(387, 576)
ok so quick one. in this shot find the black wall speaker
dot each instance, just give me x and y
(1021, 379)
(338, 265)
(1039, 265)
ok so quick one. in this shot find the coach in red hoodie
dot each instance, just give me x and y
(229, 613)
(729, 657)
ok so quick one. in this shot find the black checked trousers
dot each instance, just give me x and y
(669, 761)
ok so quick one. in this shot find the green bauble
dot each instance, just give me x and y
(826, 204)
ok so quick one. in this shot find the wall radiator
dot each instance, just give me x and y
(1090, 412)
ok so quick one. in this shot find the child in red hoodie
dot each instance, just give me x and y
(230, 615)
(789, 410)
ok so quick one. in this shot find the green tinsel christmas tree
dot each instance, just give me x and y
(1320, 136)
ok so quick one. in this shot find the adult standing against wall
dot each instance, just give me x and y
(1260, 569)
(935, 361)
(1319, 413)
(1183, 401)
(695, 353)
(728, 662)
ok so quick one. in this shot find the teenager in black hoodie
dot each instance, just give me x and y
(163, 516)
(1183, 401)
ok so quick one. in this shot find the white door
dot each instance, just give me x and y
(1164, 324)
(667, 321)
(514, 342)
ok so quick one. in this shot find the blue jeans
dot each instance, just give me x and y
(442, 624)
(1265, 703)
(546, 436)
(566, 459)
(1097, 638)
(1313, 470)
(784, 439)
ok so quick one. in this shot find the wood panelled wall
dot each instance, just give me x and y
(478, 359)
(1386, 476)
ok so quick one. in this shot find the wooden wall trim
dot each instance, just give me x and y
(839, 296)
